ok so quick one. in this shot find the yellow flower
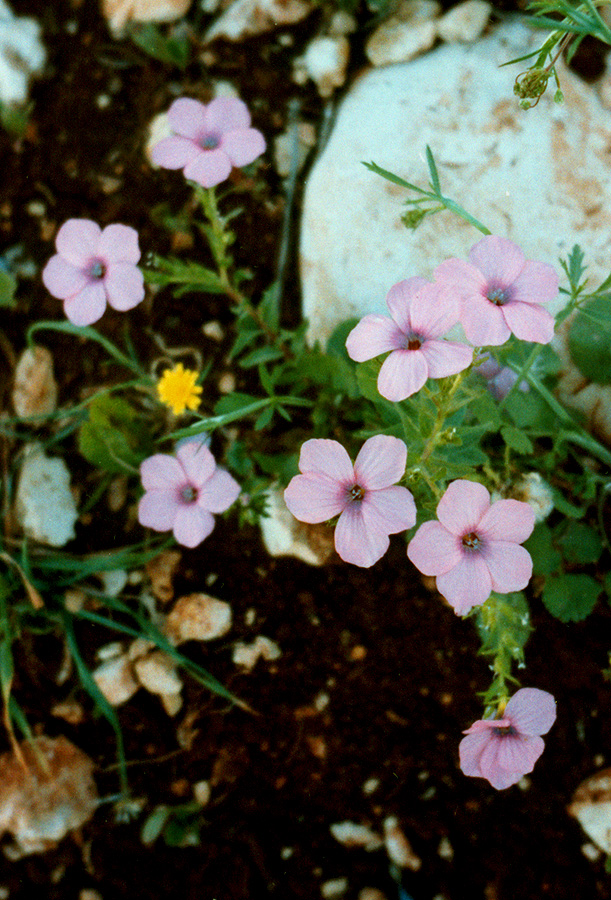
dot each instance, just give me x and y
(177, 389)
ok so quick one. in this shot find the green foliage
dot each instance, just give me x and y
(580, 543)
(546, 559)
(179, 825)
(115, 437)
(503, 625)
(590, 339)
(173, 47)
(8, 288)
(571, 598)
(184, 276)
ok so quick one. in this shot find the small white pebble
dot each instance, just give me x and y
(213, 330)
(201, 792)
(36, 208)
(398, 847)
(350, 834)
(590, 852)
(250, 617)
(227, 383)
(103, 101)
(335, 887)
(445, 849)
(321, 701)
(599, 759)
(370, 786)
(286, 852)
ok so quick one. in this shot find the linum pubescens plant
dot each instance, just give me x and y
(462, 445)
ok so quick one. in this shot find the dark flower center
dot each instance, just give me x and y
(413, 341)
(97, 269)
(505, 730)
(356, 492)
(188, 494)
(498, 296)
(209, 142)
(471, 541)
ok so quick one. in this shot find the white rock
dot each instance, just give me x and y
(541, 178)
(197, 617)
(115, 679)
(464, 22)
(157, 673)
(262, 647)
(283, 535)
(405, 35)
(335, 887)
(172, 703)
(22, 55)
(245, 18)
(202, 792)
(324, 62)
(44, 505)
(288, 145)
(119, 12)
(352, 835)
(398, 847)
(591, 806)
(35, 387)
(113, 581)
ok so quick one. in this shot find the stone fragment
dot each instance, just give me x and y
(44, 504)
(161, 570)
(35, 387)
(115, 679)
(352, 835)
(464, 22)
(404, 35)
(157, 673)
(287, 146)
(516, 171)
(247, 655)
(591, 806)
(283, 535)
(113, 581)
(119, 12)
(245, 18)
(371, 893)
(54, 793)
(334, 887)
(398, 847)
(22, 55)
(197, 617)
(202, 792)
(324, 62)
(172, 703)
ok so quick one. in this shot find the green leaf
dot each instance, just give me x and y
(565, 506)
(154, 824)
(571, 598)
(545, 557)
(517, 440)
(485, 411)
(8, 287)
(590, 340)
(264, 418)
(235, 402)
(114, 437)
(580, 543)
(367, 377)
(261, 355)
(269, 307)
(185, 276)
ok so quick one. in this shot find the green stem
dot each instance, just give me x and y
(88, 333)
(443, 409)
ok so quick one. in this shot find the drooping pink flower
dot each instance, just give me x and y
(365, 495)
(183, 491)
(502, 750)
(500, 379)
(93, 267)
(474, 548)
(501, 292)
(420, 314)
(208, 140)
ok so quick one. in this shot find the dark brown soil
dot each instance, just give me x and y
(400, 670)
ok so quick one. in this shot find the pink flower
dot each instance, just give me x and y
(501, 292)
(207, 141)
(474, 547)
(183, 491)
(501, 379)
(502, 750)
(364, 495)
(94, 267)
(420, 313)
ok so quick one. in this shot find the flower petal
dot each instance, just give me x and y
(321, 456)
(434, 550)
(124, 285)
(402, 374)
(483, 322)
(434, 311)
(507, 520)
(219, 492)
(358, 540)
(531, 711)
(461, 278)
(519, 753)
(493, 771)
(372, 336)
(391, 509)
(161, 472)
(445, 358)
(174, 152)
(536, 283)
(158, 510)
(208, 168)
(399, 298)
(510, 566)
(119, 243)
(187, 117)
(62, 279)
(192, 525)
(380, 462)
(87, 306)
(226, 114)
(314, 498)
(470, 752)
(462, 506)
(77, 241)
(243, 145)
(467, 585)
(529, 322)
(197, 462)
(498, 259)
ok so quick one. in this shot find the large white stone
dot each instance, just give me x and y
(44, 504)
(540, 177)
(22, 55)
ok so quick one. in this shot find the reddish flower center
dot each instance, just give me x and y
(471, 541)
(498, 296)
(356, 492)
(505, 730)
(188, 494)
(209, 141)
(97, 269)
(413, 341)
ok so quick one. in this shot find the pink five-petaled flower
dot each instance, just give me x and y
(93, 267)
(183, 491)
(501, 292)
(502, 750)
(420, 314)
(474, 548)
(207, 141)
(364, 495)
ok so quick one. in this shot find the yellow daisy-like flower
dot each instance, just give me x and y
(177, 389)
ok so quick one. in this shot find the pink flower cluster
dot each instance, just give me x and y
(502, 750)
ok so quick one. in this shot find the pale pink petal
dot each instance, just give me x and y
(392, 509)
(399, 298)
(403, 373)
(461, 278)
(187, 117)
(192, 525)
(433, 550)
(174, 152)
(462, 506)
(510, 565)
(372, 336)
(446, 357)
(487, 725)
(208, 168)
(536, 283)
(507, 520)
(243, 145)
(492, 769)
(356, 541)
(161, 472)
(434, 311)
(158, 510)
(483, 322)
(124, 285)
(467, 585)
(529, 322)
(518, 753)
(470, 751)
(219, 492)
(62, 279)
(225, 114)
(119, 243)
(314, 498)
(380, 462)
(326, 457)
(197, 462)
(87, 306)
(531, 711)
(77, 241)
(498, 259)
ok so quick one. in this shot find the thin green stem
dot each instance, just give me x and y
(88, 333)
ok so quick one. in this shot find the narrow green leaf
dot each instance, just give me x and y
(517, 440)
